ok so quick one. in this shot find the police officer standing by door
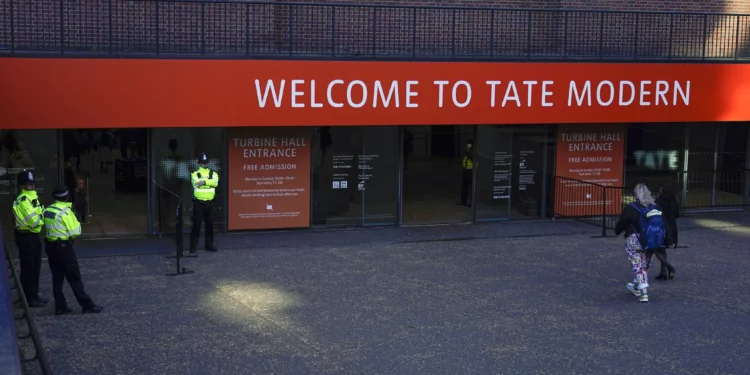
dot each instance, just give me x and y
(27, 212)
(467, 173)
(204, 183)
(62, 228)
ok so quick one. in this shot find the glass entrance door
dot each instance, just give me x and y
(494, 174)
(437, 187)
(510, 176)
(355, 176)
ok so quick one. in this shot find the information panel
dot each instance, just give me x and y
(269, 178)
(592, 154)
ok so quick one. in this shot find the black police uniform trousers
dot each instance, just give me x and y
(203, 211)
(63, 264)
(30, 256)
(466, 179)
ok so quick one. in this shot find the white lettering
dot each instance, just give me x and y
(511, 96)
(349, 99)
(329, 93)
(296, 93)
(684, 94)
(277, 97)
(546, 93)
(611, 99)
(580, 97)
(662, 87)
(622, 90)
(493, 85)
(530, 86)
(644, 93)
(313, 103)
(410, 94)
(379, 93)
(440, 91)
(455, 97)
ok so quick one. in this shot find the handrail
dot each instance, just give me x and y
(179, 249)
(323, 3)
(244, 29)
(170, 192)
(39, 354)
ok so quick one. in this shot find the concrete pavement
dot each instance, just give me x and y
(514, 298)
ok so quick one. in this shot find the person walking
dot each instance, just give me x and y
(667, 200)
(27, 212)
(641, 224)
(204, 182)
(62, 228)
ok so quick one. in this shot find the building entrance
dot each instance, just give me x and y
(32, 150)
(108, 170)
(435, 189)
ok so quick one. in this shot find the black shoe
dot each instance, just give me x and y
(211, 249)
(37, 303)
(92, 310)
(193, 251)
(661, 277)
(671, 275)
(63, 311)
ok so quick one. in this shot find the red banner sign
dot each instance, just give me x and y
(269, 178)
(119, 93)
(589, 158)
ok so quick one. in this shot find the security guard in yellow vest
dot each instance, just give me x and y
(467, 164)
(27, 212)
(204, 183)
(62, 227)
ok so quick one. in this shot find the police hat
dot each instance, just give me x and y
(25, 178)
(203, 158)
(60, 193)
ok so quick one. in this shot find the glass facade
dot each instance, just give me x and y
(355, 176)
(35, 150)
(511, 178)
(371, 175)
(174, 157)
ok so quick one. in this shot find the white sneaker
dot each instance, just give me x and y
(644, 297)
(633, 289)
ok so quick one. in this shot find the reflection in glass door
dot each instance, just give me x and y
(510, 176)
(355, 173)
(378, 175)
(494, 173)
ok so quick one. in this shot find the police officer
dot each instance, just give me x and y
(62, 227)
(27, 212)
(204, 182)
(467, 165)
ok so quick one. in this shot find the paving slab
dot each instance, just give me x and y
(507, 299)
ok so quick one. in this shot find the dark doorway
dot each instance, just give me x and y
(433, 174)
(108, 170)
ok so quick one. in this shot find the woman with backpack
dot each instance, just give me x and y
(667, 200)
(644, 232)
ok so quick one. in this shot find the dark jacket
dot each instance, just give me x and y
(629, 222)
(70, 178)
(670, 212)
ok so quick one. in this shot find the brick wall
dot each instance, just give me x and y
(471, 29)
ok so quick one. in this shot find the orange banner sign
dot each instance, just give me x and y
(589, 158)
(269, 178)
(119, 93)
